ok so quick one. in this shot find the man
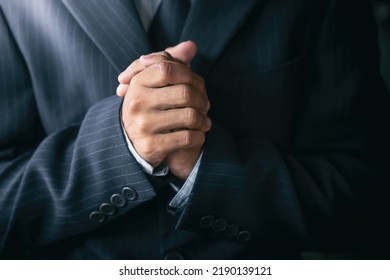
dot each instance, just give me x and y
(260, 136)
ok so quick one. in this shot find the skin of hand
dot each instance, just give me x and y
(183, 52)
(161, 86)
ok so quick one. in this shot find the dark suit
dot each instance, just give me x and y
(292, 162)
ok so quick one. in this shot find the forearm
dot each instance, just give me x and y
(50, 192)
(307, 202)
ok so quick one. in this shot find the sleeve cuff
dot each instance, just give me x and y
(181, 198)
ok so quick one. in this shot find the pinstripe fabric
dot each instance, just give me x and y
(167, 24)
(120, 35)
(293, 156)
(64, 162)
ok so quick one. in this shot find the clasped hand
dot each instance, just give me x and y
(165, 108)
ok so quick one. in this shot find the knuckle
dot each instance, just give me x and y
(185, 94)
(191, 138)
(135, 105)
(150, 149)
(146, 148)
(190, 116)
(186, 138)
(165, 72)
(194, 138)
(142, 126)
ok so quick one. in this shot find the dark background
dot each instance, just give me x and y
(382, 15)
(381, 9)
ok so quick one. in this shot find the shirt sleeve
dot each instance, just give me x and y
(181, 197)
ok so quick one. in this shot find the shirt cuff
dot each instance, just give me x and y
(181, 198)
(183, 193)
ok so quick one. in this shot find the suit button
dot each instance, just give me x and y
(244, 236)
(118, 200)
(97, 216)
(173, 256)
(129, 193)
(231, 230)
(219, 225)
(107, 209)
(206, 221)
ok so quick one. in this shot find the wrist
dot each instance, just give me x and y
(182, 162)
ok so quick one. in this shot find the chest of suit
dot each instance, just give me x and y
(253, 73)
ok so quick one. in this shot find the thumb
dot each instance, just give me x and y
(183, 52)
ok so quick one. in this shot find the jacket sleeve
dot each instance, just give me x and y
(327, 189)
(65, 183)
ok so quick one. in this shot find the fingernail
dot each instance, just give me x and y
(123, 77)
(121, 89)
(145, 56)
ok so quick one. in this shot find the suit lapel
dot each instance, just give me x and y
(114, 26)
(211, 24)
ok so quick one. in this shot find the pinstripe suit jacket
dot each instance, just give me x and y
(292, 162)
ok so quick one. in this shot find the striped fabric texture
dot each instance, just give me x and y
(292, 163)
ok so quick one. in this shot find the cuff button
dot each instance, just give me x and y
(231, 230)
(97, 217)
(206, 221)
(107, 209)
(118, 200)
(129, 193)
(244, 236)
(219, 225)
